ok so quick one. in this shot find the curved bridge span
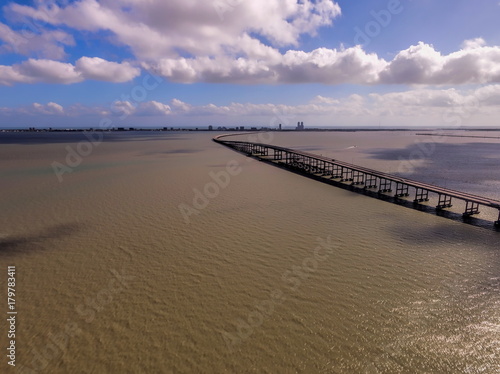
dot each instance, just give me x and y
(359, 177)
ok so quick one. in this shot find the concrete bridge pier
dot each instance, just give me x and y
(444, 202)
(324, 168)
(337, 171)
(347, 175)
(385, 185)
(370, 181)
(421, 194)
(471, 208)
(358, 177)
(315, 168)
(402, 189)
(261, 150)
(328, 170)
(497, 222)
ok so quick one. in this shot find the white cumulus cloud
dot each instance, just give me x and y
(476, 63)
(44, 43)
(420, 64)
(160, 29)
(419, 107)
(322, 65)
(226, 41)
(50, 71)
(98, 69)
(48, 109)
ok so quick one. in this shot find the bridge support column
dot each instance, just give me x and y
(297, 161)
(471, 208)
(497, 222)
(421, 194)
(402, 190)
(370, 181)
(307, 164)
(320, 166)
(314, 165)
(278, 155)
(324, 169)
(444, 202)
(347, 175)
(358, 177)
(328, 169)
(385, 185)
(336, 171)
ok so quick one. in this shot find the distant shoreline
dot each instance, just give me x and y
(465, 136)
(237, 130)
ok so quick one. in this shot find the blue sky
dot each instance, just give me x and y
(223, 62)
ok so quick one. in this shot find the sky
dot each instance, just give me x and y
(194, 63)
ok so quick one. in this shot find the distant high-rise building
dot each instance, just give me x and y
(280, 127)
(300, 126)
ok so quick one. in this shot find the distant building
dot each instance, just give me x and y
(210, 128)
(242, 128)
(280, 127)
(300, 126)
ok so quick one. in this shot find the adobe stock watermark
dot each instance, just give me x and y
(380, 20)
(220, 180)
(57, 344)
(202, 197)
(292, 280)
(75, 155)
(223, 6)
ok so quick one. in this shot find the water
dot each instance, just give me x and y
(277, 273)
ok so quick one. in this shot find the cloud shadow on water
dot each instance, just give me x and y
(21, 244)
(470, 163)
(77, 136)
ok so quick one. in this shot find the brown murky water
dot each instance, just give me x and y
(267, 272)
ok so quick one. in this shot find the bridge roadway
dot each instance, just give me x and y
(309, 163)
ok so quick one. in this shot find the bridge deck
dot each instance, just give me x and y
(467, 197)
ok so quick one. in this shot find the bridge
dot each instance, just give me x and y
(359, 177)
